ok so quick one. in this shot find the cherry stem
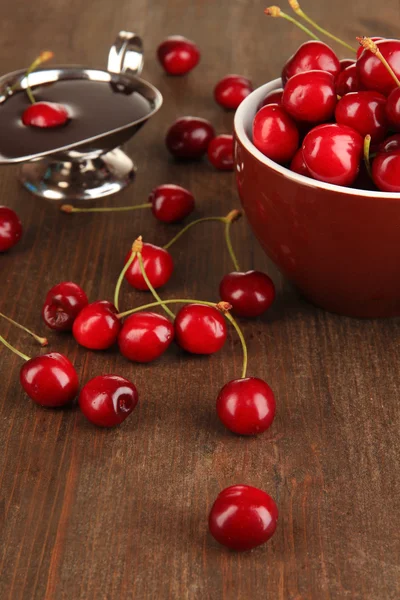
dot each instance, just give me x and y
(41, 340)
(370, 45)
(69, 208)
(367, 144)
(17, 352)
(275, 11)
(229, 245)
(151, 288)
(43, 57)
(189, 226)
(223, 307)
(121, 278)
(296, 8)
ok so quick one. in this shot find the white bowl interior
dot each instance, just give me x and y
(243, 127)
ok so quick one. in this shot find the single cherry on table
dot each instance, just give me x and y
(246, 406)
(243, 517)
(178, 55)
(158, 265)
(62, 305)
(200, 329)
(250, 293)
(10, 228)
(189, 137)
(97, 326)
(231, 90)
(171, 203)
(145, 336)
(220, 152)
(107, 400)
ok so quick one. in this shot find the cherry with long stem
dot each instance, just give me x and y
(43, 57)
(41, 340)
(368, 44)
(136, 247)
(275, 11)
(295, 6)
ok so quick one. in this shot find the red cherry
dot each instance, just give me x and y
(393, 108)
(158, 265)
(346, 62)
(231, 90)
(200, 329)
(298, 165)
(50, 380)
(107, 400)
(273, 97)
(332, 153)
(386, 171)
(246, 406)
(310, 96)
(311, 56)
(391, 144)
(10, 228)
(364, 112)
(97, 326)
(243, 517)
(348, 81)
(250, 294)
(171, 203)
(360, 50)
(145, 336)
(275, 133)
(220, 152)
(45, 114)
(62, 305)
(188, 137)
(178, 55)
(373, 74)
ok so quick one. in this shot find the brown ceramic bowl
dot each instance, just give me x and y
(340, 246)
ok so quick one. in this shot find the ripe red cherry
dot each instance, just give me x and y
(200, 329)
(386, 171)
(246, 406)
(332, 153)
(188, 137)
(361, 49)
(145, 336)
(45, 114)
(171, 203)
(364, 112)
(220, 152)
(107, 400)
(10, 228)
(391, 144)
(275, 133)
(311, 56)
(346, 62)
(348, 81)
(178, 55)
(310, 96)
(298, 165)
(158, 265)
(393, 108)
(231, 90)
(50, 380)
(372, 73)
(250, 293)
(243, 517)
(273, 97)
(62, 305)
(97, 326)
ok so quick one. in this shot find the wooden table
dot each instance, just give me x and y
(121, 514)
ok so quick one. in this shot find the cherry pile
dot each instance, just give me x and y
(333, 119)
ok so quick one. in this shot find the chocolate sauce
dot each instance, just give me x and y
(95, 107)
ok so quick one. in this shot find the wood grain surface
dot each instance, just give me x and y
(122, 514)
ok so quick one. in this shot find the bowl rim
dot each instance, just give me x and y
(242, 125)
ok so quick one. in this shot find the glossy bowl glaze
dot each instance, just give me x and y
(340, 246)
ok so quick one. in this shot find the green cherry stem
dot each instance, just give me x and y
(41, 340)
(224, 307)
(367, 144)
(17, 352)
(275, 11)
(69, 208)
(43, 57)
(230, 247)
(151, 288)
(296, 8)
(136, 247)
(370, 45)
